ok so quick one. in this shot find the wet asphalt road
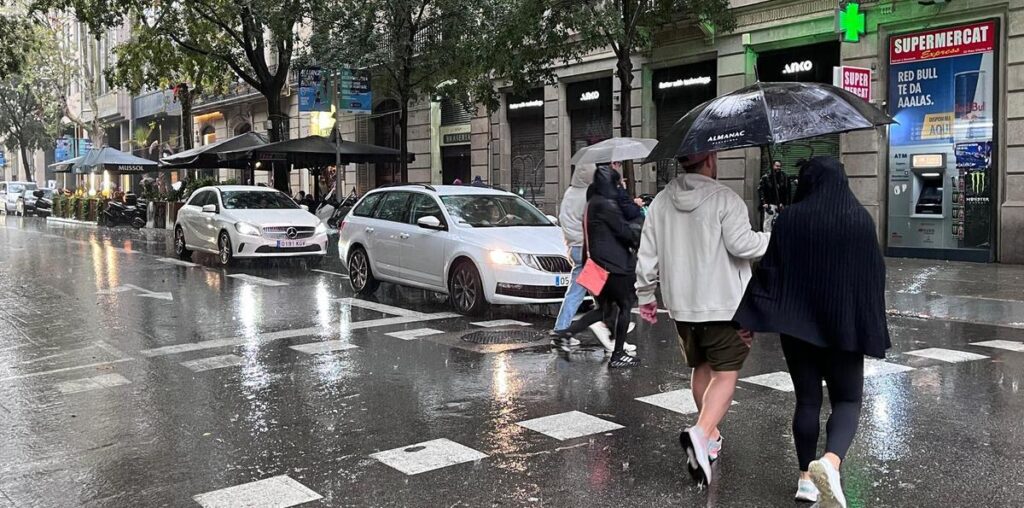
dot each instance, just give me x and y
(128, 380)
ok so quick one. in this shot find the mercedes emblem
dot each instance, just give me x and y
(291, 233)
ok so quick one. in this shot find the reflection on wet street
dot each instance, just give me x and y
(129, 378)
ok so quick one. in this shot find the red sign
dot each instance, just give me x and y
(943, 42)
(856, 80)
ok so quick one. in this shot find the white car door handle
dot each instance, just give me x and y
(403, 236)
(369, 230)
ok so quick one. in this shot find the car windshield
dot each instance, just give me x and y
(15, 188)
(47, 193)
(494, 211)
(243, 200)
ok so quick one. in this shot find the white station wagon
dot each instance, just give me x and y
(478, 245)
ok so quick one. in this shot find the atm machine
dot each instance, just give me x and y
(922, 180)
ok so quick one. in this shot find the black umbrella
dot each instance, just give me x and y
(765, 114)
(315, 152)
(207, 156)
(98, 160)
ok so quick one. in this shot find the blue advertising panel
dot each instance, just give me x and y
(355, 95)
(84, 145)
(62, 149)
(313, 91)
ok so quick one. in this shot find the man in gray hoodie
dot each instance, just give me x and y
(698, 244)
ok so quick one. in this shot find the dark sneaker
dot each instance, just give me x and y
(696, 446)
(623, 360)
(563, 339)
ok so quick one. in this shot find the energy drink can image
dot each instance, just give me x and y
(972, 107)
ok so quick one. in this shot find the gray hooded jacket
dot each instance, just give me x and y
(574, 203)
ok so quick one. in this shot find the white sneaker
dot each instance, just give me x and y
(604, 336)
(696, 446)
(632, 325)
(806, 491)
(826, 478)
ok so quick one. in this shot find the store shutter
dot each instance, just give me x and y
(527, 152)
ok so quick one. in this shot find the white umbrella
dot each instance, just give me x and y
(615, 149)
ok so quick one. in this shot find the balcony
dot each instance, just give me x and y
(114, 106)
(154, 103)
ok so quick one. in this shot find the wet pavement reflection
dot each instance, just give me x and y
(130, 379)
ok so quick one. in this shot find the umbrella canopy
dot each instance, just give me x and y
(765, 114)
(315, 152)
(65, 166)
(98, 160)
(207, 156)
(615, 149)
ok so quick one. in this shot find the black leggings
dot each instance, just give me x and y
(843, 373)
(615, 303)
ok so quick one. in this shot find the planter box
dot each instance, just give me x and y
(156, 215)
(172, 213)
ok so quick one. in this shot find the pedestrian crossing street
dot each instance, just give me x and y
(437, 454)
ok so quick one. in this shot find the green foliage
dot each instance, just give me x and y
(14, 45)
(198, 183)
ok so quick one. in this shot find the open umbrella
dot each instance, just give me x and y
(98, 160)
(65, 166)
(207, 156)
(766, 114)
(615, 149)
(315, 152)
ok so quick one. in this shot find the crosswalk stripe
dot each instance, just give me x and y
(257, 280)
(946, 355)
(1008, 345)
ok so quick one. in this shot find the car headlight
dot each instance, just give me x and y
(530, 260)
(321, 228)
(247, 229)
(500, 257)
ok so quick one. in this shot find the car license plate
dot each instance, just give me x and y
(291, 243)
(562, 280)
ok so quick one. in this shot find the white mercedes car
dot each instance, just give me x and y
(241, 221)
(478, 245)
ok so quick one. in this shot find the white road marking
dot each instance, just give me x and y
(679, 401)
(500, 322)
(91, 383)
(569, 425)
(946, 355)
(342, 275)
(1009, 345)
(143, 293)
(327, 346)
(257, 280)
(287, 334)
(413, 334)
(874, 368)
(428, 456)
(379, 307)
(213, 362)
(65, 369)
(177, 262)
(275, 492)
(775, 380)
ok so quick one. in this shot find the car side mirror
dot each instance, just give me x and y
(553, 219)
(209, 208)
(304, 207)
(38, 194)
(430, 222)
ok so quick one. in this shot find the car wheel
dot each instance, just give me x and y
(180, 249)
(465, 290)
(360, 275)
(138, 223)
(224, 253)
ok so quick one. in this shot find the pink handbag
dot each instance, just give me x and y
(592, 277)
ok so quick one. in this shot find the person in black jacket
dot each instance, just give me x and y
(775, 193)
(821, 285)
(611, 243)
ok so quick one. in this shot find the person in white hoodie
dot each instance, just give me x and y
(698, 244)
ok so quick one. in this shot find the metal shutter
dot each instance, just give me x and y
(528, 158)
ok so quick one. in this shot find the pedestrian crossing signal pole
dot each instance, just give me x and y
(339, 172)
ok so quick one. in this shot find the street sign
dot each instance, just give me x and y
(354, 94)
(3, 158)
(62, 149)
(313, 90)
(856, 80)
(84, 145)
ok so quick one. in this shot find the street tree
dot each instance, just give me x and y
(414, 48)
(573, 28)
(255, 39)
(14, 45)
(27, 122)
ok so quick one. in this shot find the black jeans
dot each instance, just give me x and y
(615, 303)
(843, 373)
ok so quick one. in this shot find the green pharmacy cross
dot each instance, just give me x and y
(851, 22)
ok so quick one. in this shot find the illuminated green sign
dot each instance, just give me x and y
(851, 22)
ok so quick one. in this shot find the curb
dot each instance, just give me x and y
(72, 221)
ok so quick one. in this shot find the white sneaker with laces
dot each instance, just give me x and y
(830, 488)
(604, 336)
(806, 491)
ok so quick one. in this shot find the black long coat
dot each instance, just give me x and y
(823, 277)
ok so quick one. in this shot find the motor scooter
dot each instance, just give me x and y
(126, 213)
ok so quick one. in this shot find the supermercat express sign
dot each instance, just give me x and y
(944, 42)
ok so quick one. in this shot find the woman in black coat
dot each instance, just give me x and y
(822, 287)
(611, 243)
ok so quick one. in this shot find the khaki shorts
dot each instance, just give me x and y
(714, 343)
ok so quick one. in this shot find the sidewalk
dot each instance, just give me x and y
(991, 294)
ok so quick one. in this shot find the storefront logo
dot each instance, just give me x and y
(526, 104)
(945, 42)
(977, 182)
(726, 137)
(795, 67)
(590, 96)
(701, 80)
